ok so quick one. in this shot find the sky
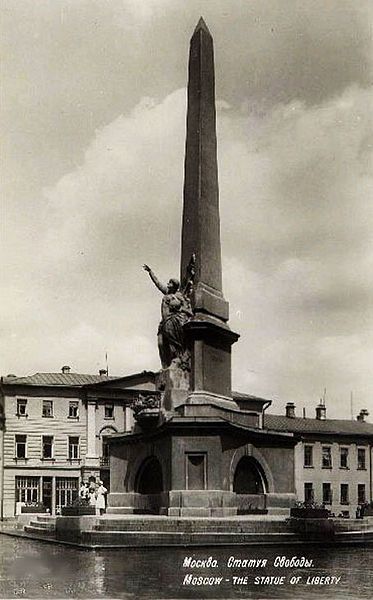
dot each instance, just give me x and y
(93, 129)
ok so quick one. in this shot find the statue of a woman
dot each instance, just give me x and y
(175, 310)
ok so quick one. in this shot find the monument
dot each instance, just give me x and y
(197, 449)
(205, 333)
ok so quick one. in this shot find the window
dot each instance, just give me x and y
(361, 498)
(20, 446)
(47, 408)
(326, 493)
(344, 493)
(308, 493)
(361, 458)
(73, 448)
(27, 489)
(308, 456)
(21, 407)
(105, 458)
(109, 411)
(343, 458)
(66, 491)
(73, 409)
(326, 457)
(47, 446)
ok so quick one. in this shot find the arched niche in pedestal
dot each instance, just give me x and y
(249, 477)
(149, 477)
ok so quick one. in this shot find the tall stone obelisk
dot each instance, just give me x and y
(210, 338)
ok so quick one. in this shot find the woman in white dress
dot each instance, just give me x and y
(92, 493)
(100, 497)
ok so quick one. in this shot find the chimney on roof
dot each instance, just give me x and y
(102, 372)
(362, 415)
(290, 410)
(321, 412)
(65, 369)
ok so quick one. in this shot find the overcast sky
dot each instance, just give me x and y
(93, 128)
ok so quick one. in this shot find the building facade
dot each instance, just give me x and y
(333, 459)
(53, 434)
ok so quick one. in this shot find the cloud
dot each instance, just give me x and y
(123, 188)
(297, 230)
(145, 9)
(88, 206)
(120, 208)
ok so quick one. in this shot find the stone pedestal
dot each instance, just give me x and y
(210, 341)
(176, 503)
(174, 383)
(200, 503)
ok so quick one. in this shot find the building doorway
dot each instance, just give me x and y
(105, 478)
(47, 493)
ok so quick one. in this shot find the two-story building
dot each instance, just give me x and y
(53, 433)
(333, 460)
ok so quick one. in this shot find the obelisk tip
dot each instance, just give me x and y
(202, 25)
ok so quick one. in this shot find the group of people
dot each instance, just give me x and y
(362, 509)
(94, 492)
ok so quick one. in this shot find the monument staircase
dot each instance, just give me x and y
(150, 530)
(188, 533)
(111, 531)
(43, 525)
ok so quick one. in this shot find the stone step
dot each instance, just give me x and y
(39, 531)
(190, 526)
(278, 510)
(362, 531)
(42, 525)
(211, 520)
(353, 525)
(120, 510)
(46, 519)
(351, 537)
(158, 538)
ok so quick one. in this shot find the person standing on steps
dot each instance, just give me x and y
(101, 491)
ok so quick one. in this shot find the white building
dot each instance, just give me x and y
(333, 459)
(52, 433)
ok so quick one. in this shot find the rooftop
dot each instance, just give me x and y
(57, 379)
(242, 396)
(71, 379)
(327, 426)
